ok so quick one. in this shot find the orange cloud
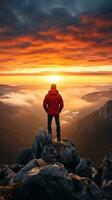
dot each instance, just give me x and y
(87, 44)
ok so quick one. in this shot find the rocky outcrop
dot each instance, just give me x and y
(40, 141)
(6, 176)
(106, 111)
(15, 167)
(24, 156)
(85, 168)
(64, 152)
(107, 176)
(49, 153)
(55, 171)
(54, 183)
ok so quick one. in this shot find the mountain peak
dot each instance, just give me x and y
(106, 111)
(109, 103)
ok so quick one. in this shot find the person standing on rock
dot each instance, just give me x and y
(53, 105)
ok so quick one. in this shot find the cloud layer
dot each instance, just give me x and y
(58, 32)
(22, 114)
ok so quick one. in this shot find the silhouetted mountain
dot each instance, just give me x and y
(97, 96)
(106, 112)
(95, 132)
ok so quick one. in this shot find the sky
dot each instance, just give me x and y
(38, 37)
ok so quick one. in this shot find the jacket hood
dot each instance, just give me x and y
(53, 92)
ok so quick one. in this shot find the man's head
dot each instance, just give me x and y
(53, 86)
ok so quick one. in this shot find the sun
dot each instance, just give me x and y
(53, 78)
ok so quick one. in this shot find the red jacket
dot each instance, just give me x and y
(53, 102)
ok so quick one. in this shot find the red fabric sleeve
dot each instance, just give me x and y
(45, 103)
(61, 103)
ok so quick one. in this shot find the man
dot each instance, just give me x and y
(53, 105)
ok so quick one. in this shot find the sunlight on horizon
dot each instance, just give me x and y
(54, 78)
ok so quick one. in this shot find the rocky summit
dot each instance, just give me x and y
(55, 171)
(106, 111)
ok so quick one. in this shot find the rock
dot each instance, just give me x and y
(24, 156)
(53, 182)
(15, 167)
(67, 154)
(85, 168)
(41, 162)
(58, 173)
(97, 178)
(6, 176)
(42, 183)
(107, 167)
(64, 152)
(7, 192)
(39, 143)
(106, 111)
(22, 173)
(49, 153)
(107, 176)
(107, 189)
(86, 189)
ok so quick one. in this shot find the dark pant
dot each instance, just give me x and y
(57, 120)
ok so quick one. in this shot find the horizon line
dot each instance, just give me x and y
(61, 73)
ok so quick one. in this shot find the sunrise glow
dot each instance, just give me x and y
(54, 78)
(59, 47)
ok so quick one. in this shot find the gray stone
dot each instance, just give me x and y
(67, 154)
(107, 176)
(16, 167)
(6, 176)
(40, 141)
(53, 182)
(85, 168)
(23, 172)
(49, 153)
(24, 156)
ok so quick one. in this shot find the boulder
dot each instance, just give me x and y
(24, 156)
(40, 141)
(49, 153)
(15, 167)
(6, 176)
(85, 168)
(22, 173)
(107, 167)
(64, 152)
(106, 111)
(53, 182)
(41, 162)
(107, 176)
(67, 154)
(107, 189)
(97, 178)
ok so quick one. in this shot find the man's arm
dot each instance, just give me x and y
(45, 103)
(61, 103)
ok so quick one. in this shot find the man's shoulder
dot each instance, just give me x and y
(46, 96)
(59, 95)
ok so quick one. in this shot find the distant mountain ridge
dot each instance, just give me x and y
(95, 132)
(106, 111)
(97, 96)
